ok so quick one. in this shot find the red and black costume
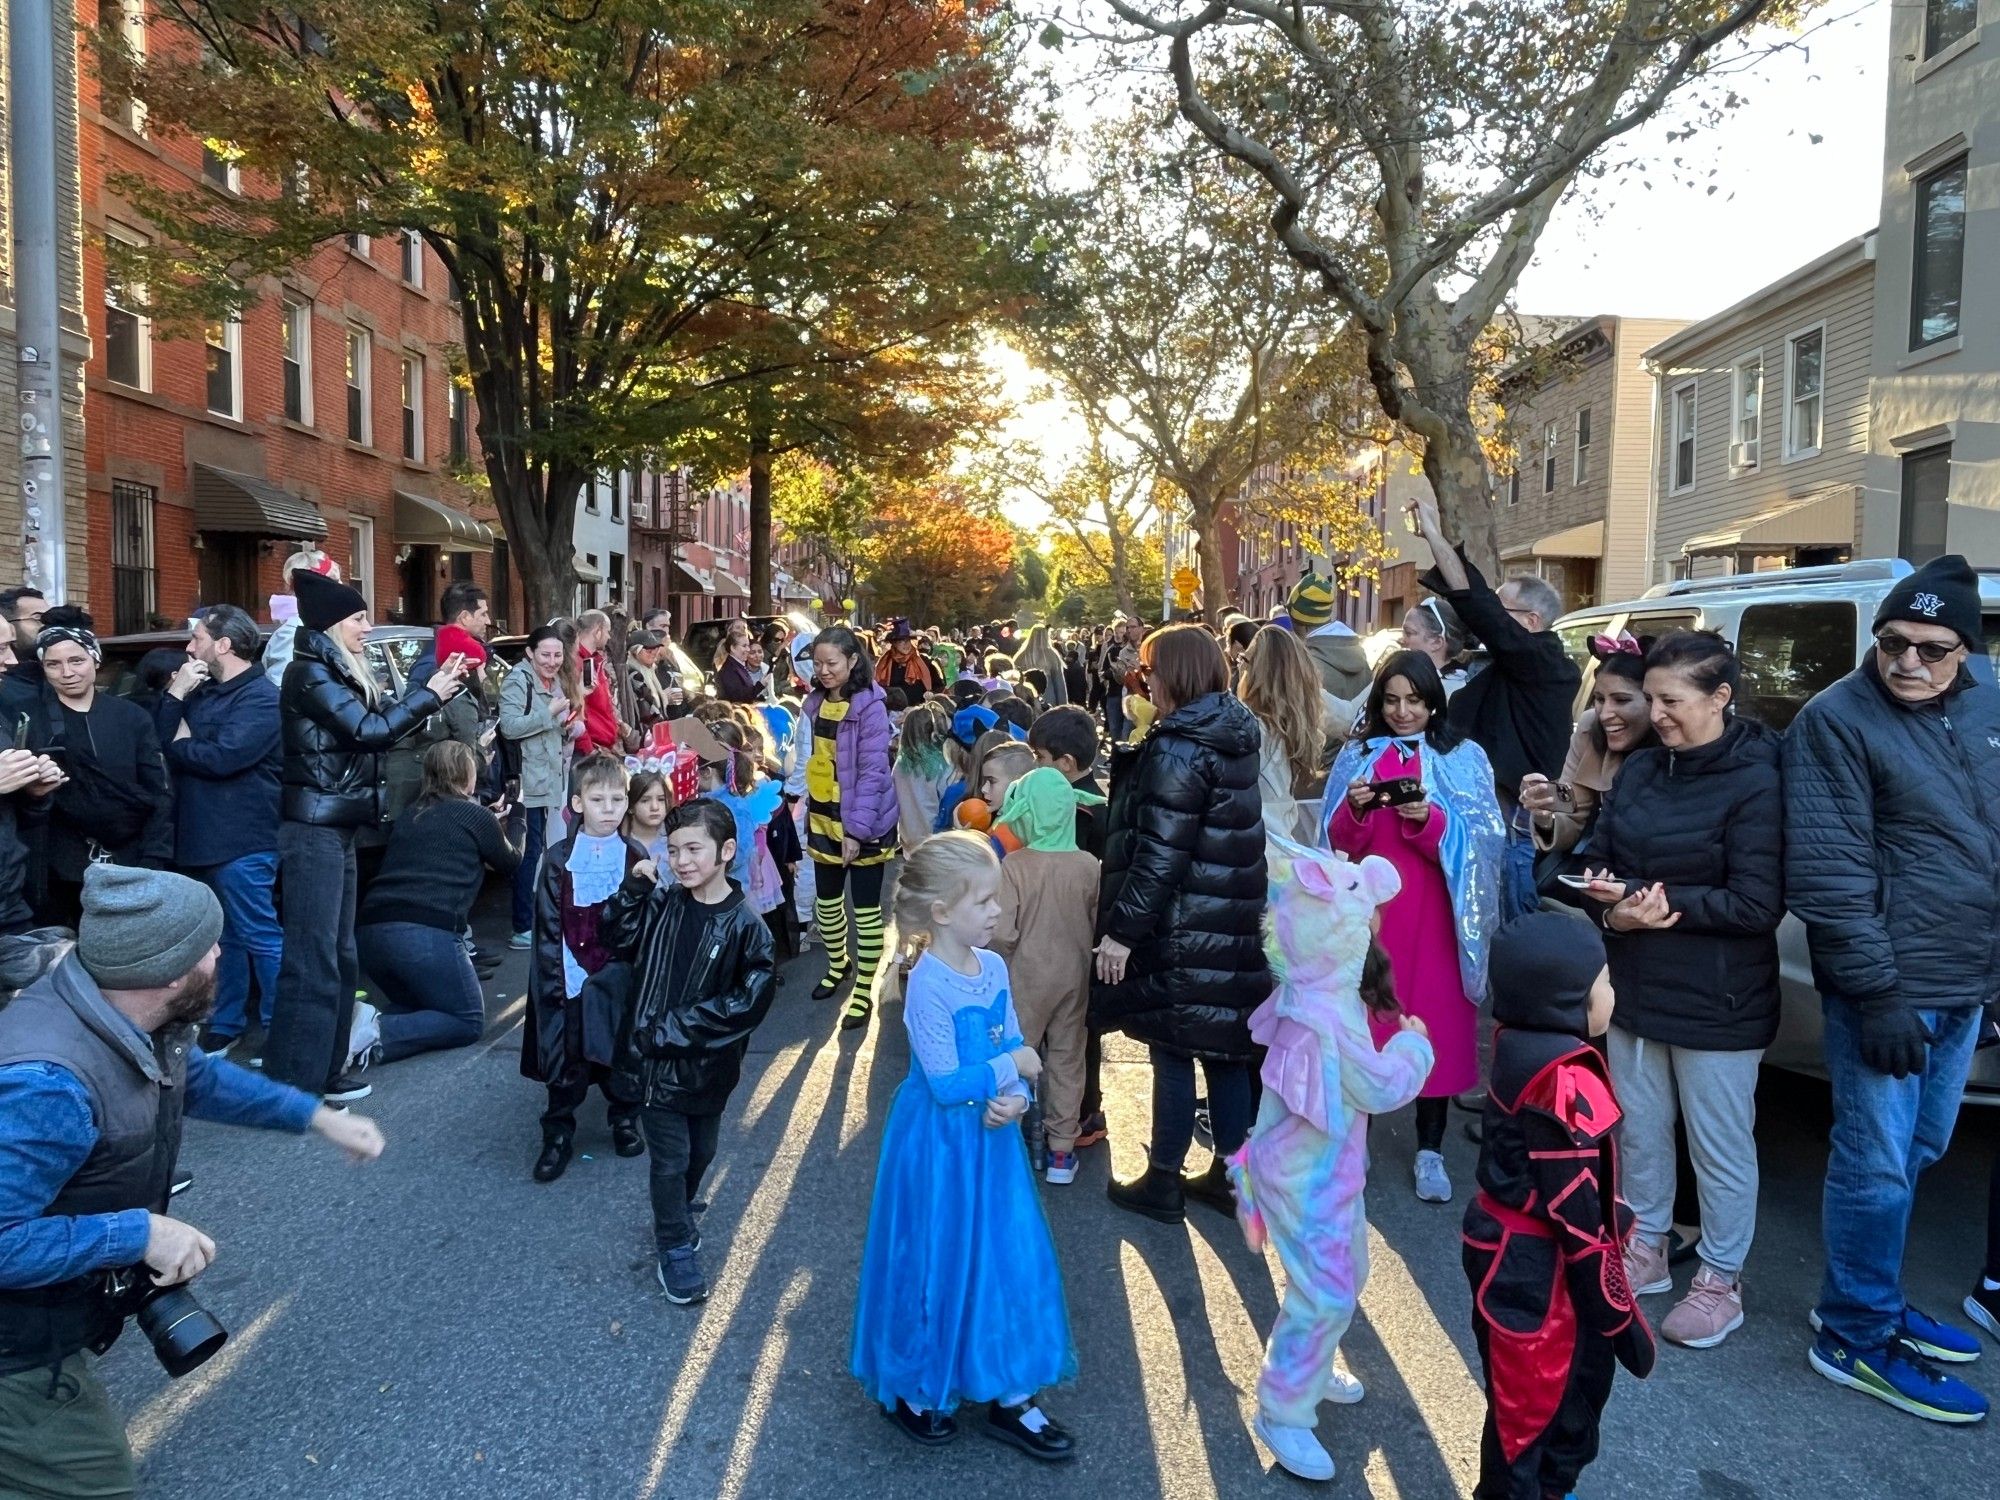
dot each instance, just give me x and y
(1544, 1236)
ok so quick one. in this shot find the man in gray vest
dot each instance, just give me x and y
(98, 1064)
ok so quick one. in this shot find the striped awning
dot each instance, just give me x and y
(227, 501)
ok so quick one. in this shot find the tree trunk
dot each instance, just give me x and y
(1455, 465)
(1207, 518)
(1121, 561)
(760, 509)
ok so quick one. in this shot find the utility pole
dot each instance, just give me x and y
(31, 63)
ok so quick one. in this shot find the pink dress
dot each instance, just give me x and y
(1419, 932)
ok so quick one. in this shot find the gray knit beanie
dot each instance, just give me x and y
(143, 929)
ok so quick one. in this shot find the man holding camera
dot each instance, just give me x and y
(98, 1066)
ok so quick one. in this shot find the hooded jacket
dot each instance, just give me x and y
(1708, 824)
(1184, 883)
(334, 742)
(862, 756)
(1341, 661)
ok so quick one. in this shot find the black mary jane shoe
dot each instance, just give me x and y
(554, 1160)
(830, 984)
(931, 1428)
(1212, 1188)
(1049, 1443)
(626, 1140)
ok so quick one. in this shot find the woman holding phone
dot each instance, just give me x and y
(1619, 722)
(1409, 789)
(1686, 880)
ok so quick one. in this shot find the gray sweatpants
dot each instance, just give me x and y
(1715, 1093)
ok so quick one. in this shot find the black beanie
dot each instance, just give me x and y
(323, 601)
(1944, 591)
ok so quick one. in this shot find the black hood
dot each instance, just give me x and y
(1216, 720)
(1543, 966)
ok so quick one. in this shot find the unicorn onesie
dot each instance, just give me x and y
(1300, 1176)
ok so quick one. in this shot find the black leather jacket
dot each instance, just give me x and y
(334, 740)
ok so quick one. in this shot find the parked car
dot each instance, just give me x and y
(1796, 632)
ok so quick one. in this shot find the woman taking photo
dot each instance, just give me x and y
(1180, 953)
(1281, 689)
(1415, 793)
(1618, 723)
(735, 682)
(543, 723)
(851, 813)
(336, 727)
(1433, 627)
(1687, 854)
(407, 930)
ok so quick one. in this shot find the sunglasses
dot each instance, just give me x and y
(1429, 607)
(1930, 653)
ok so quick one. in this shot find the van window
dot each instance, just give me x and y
(1661, 622)
(1985, 665)
(1790, 652)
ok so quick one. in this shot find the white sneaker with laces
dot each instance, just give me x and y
(1297, 1451)
(1433, 1183)
(1343, 1386)
(363, 1034)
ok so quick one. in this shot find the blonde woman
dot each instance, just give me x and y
(1036, 654)
(1281, 687)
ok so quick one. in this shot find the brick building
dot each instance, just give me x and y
(326, 413)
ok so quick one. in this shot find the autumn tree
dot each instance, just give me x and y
(1100, 505)
(939, 557)
(828, 511)
(1412, 152)
(1081, 588)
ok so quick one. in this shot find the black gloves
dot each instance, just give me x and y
(1894, 1039)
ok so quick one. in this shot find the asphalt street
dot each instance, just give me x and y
(438, 1325)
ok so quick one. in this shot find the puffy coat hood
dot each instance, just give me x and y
(1217, 720)
(1744, 743)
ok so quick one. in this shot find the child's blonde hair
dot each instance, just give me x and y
(1013, 758)
(938, 872)
(982, 747)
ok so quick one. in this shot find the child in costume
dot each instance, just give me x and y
(739, 785)
(1047, 932)
(1301, 1174)
(651, 799)
(961, 1298)
(1545, 1235)
(923, 771)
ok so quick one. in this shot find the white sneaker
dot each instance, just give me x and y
(1295, 1448)
(1433, 1184)
(1343, 1386)
(363, 1034)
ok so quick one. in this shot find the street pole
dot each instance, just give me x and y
(31, 62)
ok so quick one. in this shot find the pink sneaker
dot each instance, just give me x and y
(1708, 1314)
(1646, 1267)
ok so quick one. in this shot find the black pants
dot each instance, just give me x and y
(679, 1149)
(1093, 1075)
(1431, 1117)
(313, 1011)
(1173, 1107)
(560, 1117)
(1548, 1468)
(1993, 1222)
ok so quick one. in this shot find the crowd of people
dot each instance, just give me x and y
(1305, 882)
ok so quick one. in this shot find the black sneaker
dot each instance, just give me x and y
(679, 1273)
(1028, 1428)
(554, 1160)
(214, 1043)
(625, 1138)
(347, 1088)
(931, 1428)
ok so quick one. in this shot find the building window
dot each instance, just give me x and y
(1946, 21)
(617, 575)
(219, 169)
(503, 586)
(1746, 400)
(224, 340)
(1805, 379)
(1938, 264)
(361, 558)
(358, 242)
(296, 357)
(1514, 486)
(1926, 503)
(1580, 464)
(618, 483)
(1548, 458)
(1681, 438)
(413, 408)
(590, 494)
(133, 579)
(130, 25)
(413, 258)
(360, 386)
(455, 414)
(128, 333)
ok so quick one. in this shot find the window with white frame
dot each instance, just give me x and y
(413, 258)
(1580, 460)
(129, 22)
(455, 421)
(295, 357)
(618, 483)
(360, 386)
(1746, 406)
(1805, 384)
(413, 407)
(1548, 458)
(358, 242)
(128, 333)
(1681, 436)
(361, 558)
(223, 338)
(218, 167)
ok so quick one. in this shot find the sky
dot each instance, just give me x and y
(1674, 250)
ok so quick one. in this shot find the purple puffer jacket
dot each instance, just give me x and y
(862, 752)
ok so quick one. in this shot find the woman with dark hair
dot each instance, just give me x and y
(1180, 953)
(1411, 790)
(1616, 724)
(1689, 852)
(851, 813)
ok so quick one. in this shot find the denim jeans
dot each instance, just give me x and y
(1518, 896)
(252, 940)
(424, 974)
(1885, 1132)
(530, 868)
(679, 1149)
(314, 1008)
(1173, 1107)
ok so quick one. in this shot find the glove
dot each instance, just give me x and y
(1894, 1039)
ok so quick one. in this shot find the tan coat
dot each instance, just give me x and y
(1048, 927)
(1588, 772)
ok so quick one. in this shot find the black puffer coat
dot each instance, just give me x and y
(1708, 824)
(1184, 884)
(334, 740)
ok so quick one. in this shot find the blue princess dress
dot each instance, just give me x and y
(961, 1298)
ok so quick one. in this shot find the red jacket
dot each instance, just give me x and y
(600, 711)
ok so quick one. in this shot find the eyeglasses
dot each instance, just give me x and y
(1930, 653)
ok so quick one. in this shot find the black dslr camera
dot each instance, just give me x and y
(183, 1333)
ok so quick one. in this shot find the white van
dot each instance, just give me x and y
(1795, 631)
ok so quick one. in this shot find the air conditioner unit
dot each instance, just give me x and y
(1742, 455)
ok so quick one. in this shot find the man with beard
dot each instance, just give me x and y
(98, 1065)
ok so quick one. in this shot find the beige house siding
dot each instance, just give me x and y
(1840, 299)
(1628, 520)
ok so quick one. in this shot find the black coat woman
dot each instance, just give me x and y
(1180, 955)
(336, 728)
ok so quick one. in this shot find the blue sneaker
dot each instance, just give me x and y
(1934, 1340)
(1900, 1376)
(679, 1272)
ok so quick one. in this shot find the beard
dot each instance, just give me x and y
(192, 1006)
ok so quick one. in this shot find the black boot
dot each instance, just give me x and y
(1212, 1187)
(625, 1138)
(554, 1160)
(1156, 1193)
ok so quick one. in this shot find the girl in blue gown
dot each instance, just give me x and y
(961, 1299)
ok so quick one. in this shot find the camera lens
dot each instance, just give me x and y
(182, 1332)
